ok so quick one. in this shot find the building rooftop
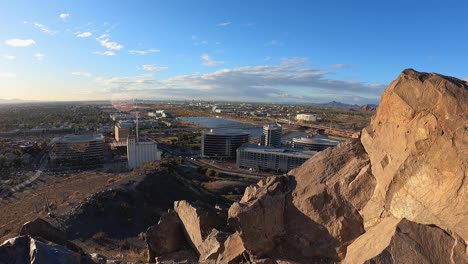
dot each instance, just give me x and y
(300, 153)
(318, 139)
(272, 126)
(78, 138)
(226, 132)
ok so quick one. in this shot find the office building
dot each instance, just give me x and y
(306, 117)
(77, 151)
(271, 135)
(222, 143)
(141, 152)
(316, 143)
(122, 131)
(271, 158)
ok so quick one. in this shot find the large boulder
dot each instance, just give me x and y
(402, 241)
(165, 237)
(417, 145)
(234, 251)
(41, 228)
(28, 250)
(198, 220)
(322, 214)
(259, 216)
(212, 246)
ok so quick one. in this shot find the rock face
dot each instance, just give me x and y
(41, 228)
(402, 241)
(165, 237)
(198, 220)
(259, 216)
(418, 149)
(25, 249)
(397, 193)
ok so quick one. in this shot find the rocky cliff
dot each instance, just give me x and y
(396, 194)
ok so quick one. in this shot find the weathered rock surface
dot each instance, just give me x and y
(234, 251)
(41, 228)
(418, 149)
(212, 246)
(259, 216)
(25, 250)
(323, 212)
(198, 220)
(165, 237)
(402, 241)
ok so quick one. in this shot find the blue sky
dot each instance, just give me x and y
(272, 51)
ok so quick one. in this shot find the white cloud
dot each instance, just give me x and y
(64, 16)
(9, 57)
(104, 40)
(143, 52)
(224, 24)
(82, 74)
(6, 75)
(105, 53)
(149, 67)
(273, 42)
(208, 61)
(83, 34)
(44, 28)
(340, 66)
(39, 56)
(20, 42)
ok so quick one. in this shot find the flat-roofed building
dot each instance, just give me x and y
(316, 143)
(271, 158)
(306, 117)
(222, 143)
(141, 152)
(77, 151)
(122, 131)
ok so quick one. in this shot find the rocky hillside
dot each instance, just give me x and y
(395, 194)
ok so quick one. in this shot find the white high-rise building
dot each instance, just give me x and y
(141, 152)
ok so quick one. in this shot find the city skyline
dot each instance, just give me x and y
(260, 51)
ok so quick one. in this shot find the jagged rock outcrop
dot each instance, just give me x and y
(418, 149)
(41, 228)
(402, 241)
(165, 237)
(212, 246)
(198, 220)
(26, 250)
(259, 216)
(397, 193)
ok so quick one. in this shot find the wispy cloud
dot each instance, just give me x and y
(86, 34)
(39, 56)
(150, 67)
(104, 40)
(6, 75)
(208, 61)
(340, 66)
(9, 57)
(82, 74)
(105, 53)
(44, 28)
(143, 52)
(64, 16)
(224, 24)
(273, 42)
(20, 42)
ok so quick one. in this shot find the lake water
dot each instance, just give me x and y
(212, 122)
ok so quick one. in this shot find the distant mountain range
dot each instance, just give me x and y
(13, 101)
(335, 104)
